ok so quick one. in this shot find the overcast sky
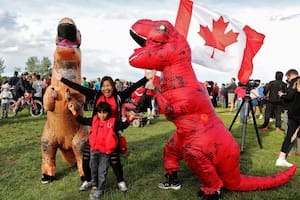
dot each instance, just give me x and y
(28, 28)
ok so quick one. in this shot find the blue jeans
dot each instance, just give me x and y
(243, 117)
(99, 166)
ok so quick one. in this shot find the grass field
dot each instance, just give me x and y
(20, 164)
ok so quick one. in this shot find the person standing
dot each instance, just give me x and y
(86, 84)
(292, 100)
(230, 93)
(103, 140)
(38, 86)
(22, 86)
(222, 96)
(5, 97)
(109, 94)
(12, 81)
(240, 92)
(119, 85)
(97, 85)
(274, 102)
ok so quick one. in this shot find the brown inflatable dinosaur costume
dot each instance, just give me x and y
(62, 131)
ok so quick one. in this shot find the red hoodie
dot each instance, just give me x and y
(102, 136)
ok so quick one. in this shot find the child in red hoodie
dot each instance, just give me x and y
(103, 141)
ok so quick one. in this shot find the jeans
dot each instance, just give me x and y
(243, 117)
(99, 165)
(5, 107)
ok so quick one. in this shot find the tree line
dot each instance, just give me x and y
(33, 64)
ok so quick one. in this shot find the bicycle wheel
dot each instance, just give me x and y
(11, 108)
(36, 109)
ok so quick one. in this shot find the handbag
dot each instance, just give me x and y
(123, 145)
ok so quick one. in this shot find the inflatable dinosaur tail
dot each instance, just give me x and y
(248, 183)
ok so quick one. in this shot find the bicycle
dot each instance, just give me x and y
(34, 106)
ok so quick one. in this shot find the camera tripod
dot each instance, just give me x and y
(248, 107)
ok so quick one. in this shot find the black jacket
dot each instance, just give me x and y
(292, 99)
(271, 89)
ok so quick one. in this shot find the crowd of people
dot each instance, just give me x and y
(20, 87)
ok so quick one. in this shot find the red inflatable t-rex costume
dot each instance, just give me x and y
(201, 138)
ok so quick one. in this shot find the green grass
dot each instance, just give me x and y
(20, 164)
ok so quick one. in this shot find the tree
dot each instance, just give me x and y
(35, 65)
(46, 66)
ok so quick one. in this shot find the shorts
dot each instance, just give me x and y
(231, 97)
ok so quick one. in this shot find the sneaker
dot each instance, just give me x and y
(95, 194)
(217, 195)
(47, 179)
(122, 186)
(278, 130)
(167, 185)
(283, 163)
(265, 129)
(85, 186)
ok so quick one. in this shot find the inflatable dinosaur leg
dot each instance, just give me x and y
(78, 143)
(171, 155)
(49, 148)
(205, 170)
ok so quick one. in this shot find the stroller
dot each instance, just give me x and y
(142, 108)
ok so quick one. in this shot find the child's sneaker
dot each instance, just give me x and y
(85, 186)
(95, 194)
(122, 186)
(281, 162)
(175, 185)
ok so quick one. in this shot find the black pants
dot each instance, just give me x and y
(115, 163)
(273, 108)
(287, 144)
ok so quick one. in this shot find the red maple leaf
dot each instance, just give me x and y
(217, 38)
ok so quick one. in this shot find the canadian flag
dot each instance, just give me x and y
(217, 41)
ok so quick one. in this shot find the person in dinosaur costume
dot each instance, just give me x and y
(61, 131)
(201, 138)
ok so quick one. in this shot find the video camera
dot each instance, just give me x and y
(251, 84)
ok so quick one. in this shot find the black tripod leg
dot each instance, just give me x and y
(255, 125)
(236, 115)
(244, 124)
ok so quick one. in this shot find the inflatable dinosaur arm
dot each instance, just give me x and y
(49, 99)
(170, 109)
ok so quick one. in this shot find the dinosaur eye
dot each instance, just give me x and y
(162, 27)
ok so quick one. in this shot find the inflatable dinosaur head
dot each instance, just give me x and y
(160, 44)
(67, 31)
(67, 56)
